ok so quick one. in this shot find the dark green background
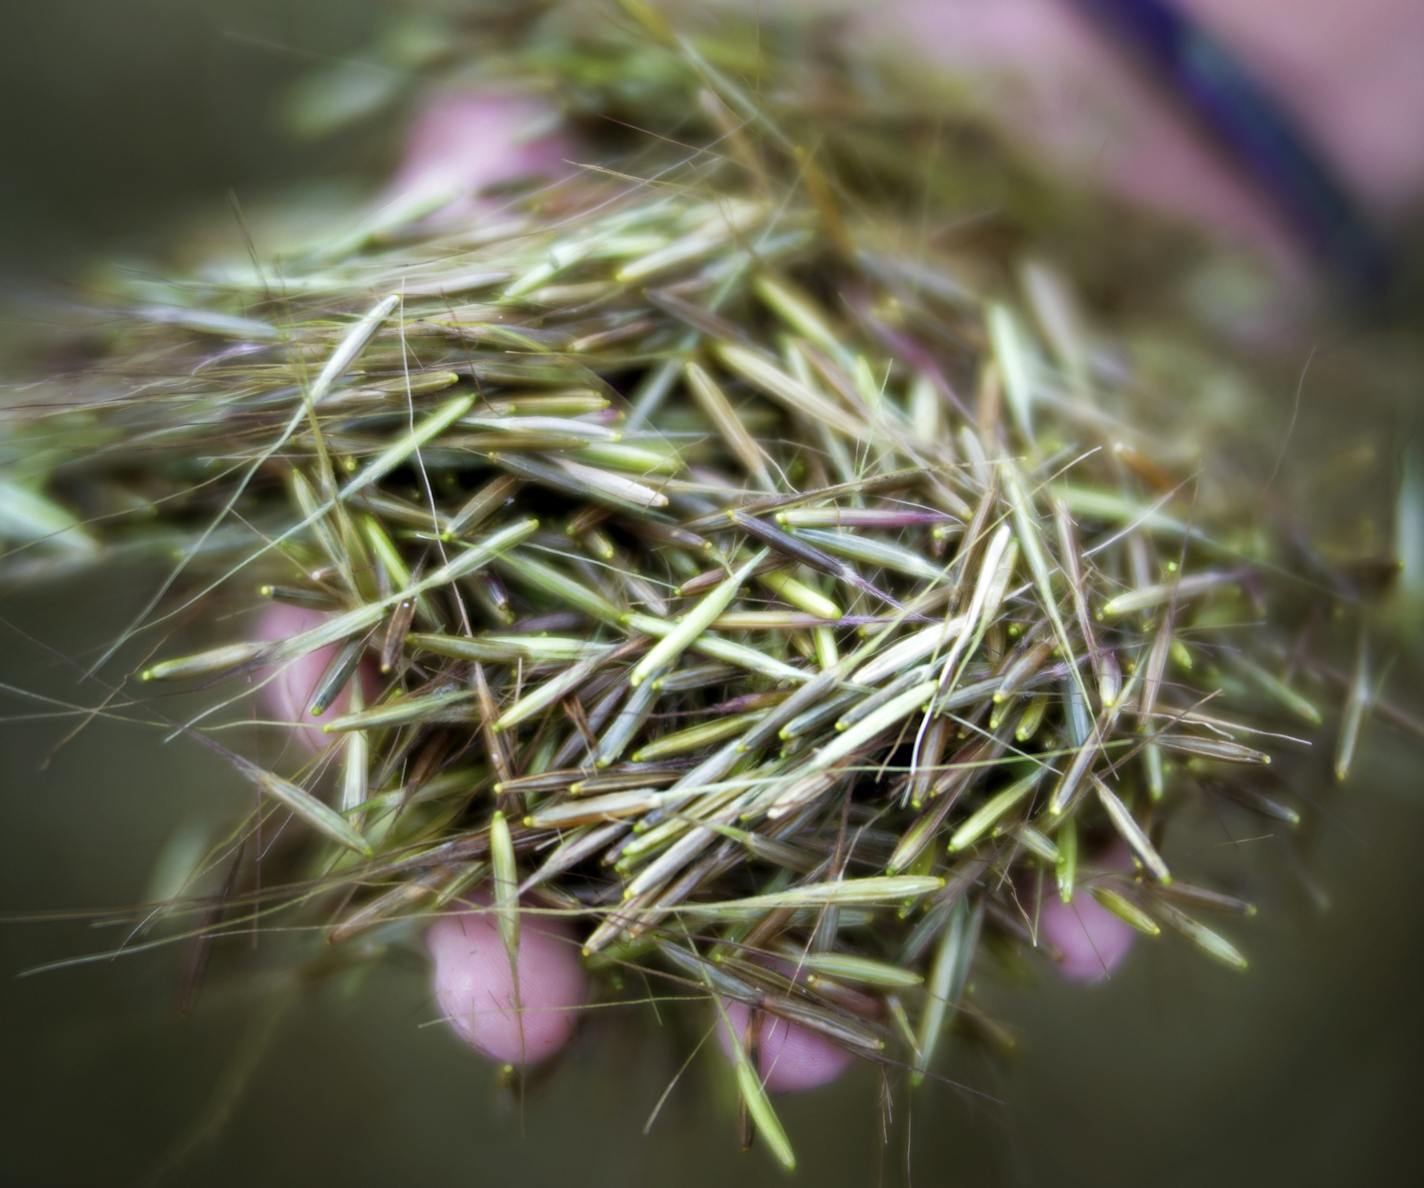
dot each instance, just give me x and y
(122, 117)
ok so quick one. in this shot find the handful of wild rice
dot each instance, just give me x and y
(748, 573)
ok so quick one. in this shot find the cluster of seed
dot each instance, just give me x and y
(754, 602)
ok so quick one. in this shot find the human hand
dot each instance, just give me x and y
(526, 1013)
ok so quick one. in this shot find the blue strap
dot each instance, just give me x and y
(1264, 142)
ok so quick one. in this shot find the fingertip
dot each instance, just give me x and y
(462, 142)
(286, 690)
(1091, 942)
(519, 1018)
(790, 1058)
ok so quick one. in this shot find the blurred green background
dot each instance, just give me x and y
(122, 120)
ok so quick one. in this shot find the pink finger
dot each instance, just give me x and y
(1090, 940)
(288, 693)
(790, 1058)
(463, 142)
(521, 1020)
